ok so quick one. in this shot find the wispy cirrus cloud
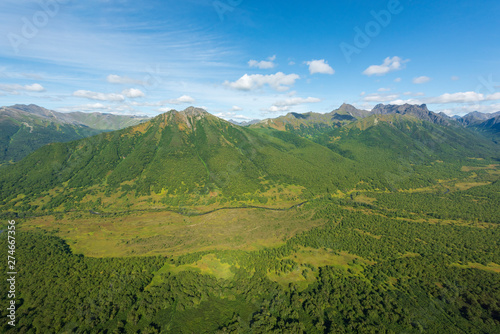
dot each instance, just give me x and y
(421, 80)
(15, 88)
(123, 80)
(294, 101)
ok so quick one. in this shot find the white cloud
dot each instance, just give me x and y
(276, 109)
(320, 66)
(461, 97)
(296, 101)
(414, 94)
(465, 109)
(123, 80)
(93, 107)
(184, 99)
(397, 80)
(165, 109)
(84, 107)
(145, 104)
(133, 93)
(493, 97)
(98, 96)
(263, 64)
(236, 108)
(14, 88)
(380, 97)
(291, 63)
(285, 105)
(384, 89)
(389, 65)
(421, 80)
(34, 88)
(232, 115)
(278, 81)
(409, 101)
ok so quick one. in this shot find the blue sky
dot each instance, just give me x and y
(247, 59)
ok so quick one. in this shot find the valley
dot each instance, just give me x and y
(188, 223)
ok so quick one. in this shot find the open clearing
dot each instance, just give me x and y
(167, 233)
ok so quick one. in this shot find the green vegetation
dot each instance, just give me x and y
(18, 139)
(358, 272)
(174, 161)
(26, 128)
(188, 224)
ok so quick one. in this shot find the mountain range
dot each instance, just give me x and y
(193, 157)
(376, 219)
(25, 128)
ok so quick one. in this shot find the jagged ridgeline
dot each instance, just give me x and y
(393, 146)
(186, 153)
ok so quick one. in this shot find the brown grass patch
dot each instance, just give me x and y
(473, 168)
(493, 267)
(167, 233)
(468, 185)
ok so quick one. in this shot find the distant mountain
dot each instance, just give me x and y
(311, 120)
(401, 150)
(178, 156)
(476, 117)
(25, 128)
(418, 111)
(491, 126)
(189, 158)
(351, 110)
(244, 123)
(95, 120)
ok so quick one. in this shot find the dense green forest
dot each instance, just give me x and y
(389, 224)
(404, 276)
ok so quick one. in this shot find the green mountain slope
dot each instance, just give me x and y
(403, 151)
(25, 128)
(23, 133)
(312, 122)
(106, 122)
(188, 155)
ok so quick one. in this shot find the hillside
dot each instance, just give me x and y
(189, 156)
(490, 127)
(94, 120)
(399, 151)
(25, 128)
(476, 117)
(22, 133)
(383, 223)
(312, 122)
